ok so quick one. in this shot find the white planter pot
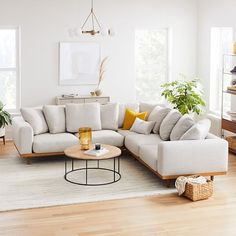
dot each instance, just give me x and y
(2, 132)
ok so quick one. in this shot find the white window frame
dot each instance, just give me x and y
(169, 51)
(16, 69)
(216, 110)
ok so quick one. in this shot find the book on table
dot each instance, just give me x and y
(97, 153)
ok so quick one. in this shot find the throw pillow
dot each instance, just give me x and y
(109, 116)
(83, 115)
(122, 109)
(183, 125)
(157, 115)
(198, 131)
(36, 119)
(130, 117)
(56, 118)
(168, 124)
(142, 127)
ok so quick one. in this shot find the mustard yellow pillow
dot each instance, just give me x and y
(130, 117)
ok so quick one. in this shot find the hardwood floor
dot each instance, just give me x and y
(157, 215)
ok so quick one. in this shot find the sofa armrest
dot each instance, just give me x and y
(192, 157)
(22, 135)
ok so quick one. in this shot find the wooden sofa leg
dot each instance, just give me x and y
(168, 181)
(212, 178)
(28, 161)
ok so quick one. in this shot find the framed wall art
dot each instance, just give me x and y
(79, 63)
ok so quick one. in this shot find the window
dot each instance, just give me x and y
(151, 63)
(221, 43)
(9, 68)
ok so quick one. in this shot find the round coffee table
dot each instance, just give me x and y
(75, 153)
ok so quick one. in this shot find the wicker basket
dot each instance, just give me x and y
(197, 192)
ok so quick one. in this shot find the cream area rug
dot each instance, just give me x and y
(42, 183)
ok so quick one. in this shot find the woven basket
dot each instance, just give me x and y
(197, 192)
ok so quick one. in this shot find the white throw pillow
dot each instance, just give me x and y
(182, 126)
(157, 115)
(198, 131)
(83, 115)
(142, 127)
(36, 119)
(109, 116)
(56, 118)
(168, 124)
(122, 109)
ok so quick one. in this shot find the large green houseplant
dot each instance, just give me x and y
(186, 96)
(5, 119)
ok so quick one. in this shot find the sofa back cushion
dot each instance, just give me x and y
(36, 119)
(182, 126)
(157, 115)
(56, 118)
(148, 107)
(198, 131)
(83, 115)
(122, 108)
(168, 124)
(109, 116)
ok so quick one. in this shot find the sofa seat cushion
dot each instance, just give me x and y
(133, 142)
(45, 143)
(125, 132)
(148, 154)
(109, 137)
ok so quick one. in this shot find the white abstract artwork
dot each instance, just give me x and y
(79, 63)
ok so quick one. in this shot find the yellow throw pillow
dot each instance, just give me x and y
(130, 117)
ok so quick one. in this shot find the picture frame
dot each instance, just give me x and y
(79, 63)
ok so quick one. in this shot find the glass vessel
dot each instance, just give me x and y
(85, 137)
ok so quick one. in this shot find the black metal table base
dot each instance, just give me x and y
(71, 168)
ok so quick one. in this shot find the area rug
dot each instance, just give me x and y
(42, 183)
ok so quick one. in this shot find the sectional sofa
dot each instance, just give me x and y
(49, 130)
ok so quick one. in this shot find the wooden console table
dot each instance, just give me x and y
(82, 99)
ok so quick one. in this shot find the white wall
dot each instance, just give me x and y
(211, 13)
(46, 22)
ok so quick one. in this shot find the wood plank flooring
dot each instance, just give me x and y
(157, 215)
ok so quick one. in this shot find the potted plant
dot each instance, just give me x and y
(186, 96)
(5, 119)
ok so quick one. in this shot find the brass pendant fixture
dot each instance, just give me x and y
(95, 25)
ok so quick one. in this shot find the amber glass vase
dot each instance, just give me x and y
(85, 137)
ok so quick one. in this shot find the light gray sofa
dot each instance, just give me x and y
(167, 159)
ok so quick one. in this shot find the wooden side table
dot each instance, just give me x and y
(4, 140)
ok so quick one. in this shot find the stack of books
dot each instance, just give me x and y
(97, 153)
(70, 95)
(231, 88)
